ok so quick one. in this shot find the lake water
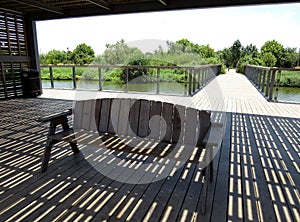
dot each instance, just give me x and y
(289, 94)
(174, 88)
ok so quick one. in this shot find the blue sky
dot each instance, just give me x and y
(218, 27)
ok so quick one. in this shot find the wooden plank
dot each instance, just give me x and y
(134, 117)
(143, 129)
(97, 112)
(158, 205)
(191, 125)
(265, 204)
(88, 116)
(167, 119)
(249, 195)
(77, 115)
(204, 124)
(114, 116)
(105, 115)
(178, 124)
(155, 120)
(179, 192)
(220, 202)
(123, 116)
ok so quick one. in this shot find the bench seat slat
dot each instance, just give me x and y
(155, 119)
(166, 125)
(143, 127)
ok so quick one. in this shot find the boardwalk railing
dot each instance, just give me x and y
(266, 79)
(195, 77)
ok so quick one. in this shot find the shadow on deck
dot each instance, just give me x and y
(257, 175)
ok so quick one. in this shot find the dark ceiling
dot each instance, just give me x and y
(53, 9)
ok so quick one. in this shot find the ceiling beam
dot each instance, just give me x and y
(100, 3)
(164, 2)
(43, 6)
(10, 10)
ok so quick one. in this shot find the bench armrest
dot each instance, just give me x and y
(55, 116)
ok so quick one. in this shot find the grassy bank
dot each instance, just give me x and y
(290, 79)
(111, 74)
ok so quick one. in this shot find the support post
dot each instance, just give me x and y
(100, 78)
(158, 81)
(51, 77)
(272, 83)
(190, 82)
(74, 77)
(127, 73)
(268, 82)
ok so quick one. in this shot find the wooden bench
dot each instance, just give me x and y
(167, 123)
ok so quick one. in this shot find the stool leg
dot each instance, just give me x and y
(46, 157)
(74, 148)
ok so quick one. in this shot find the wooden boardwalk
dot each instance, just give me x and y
(257, 173)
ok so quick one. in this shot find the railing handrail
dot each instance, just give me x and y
(131, 66)
(274, 68)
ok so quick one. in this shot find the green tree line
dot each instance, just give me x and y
(180, 53)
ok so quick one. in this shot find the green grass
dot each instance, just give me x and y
(290, 79)
(113, 74)
(61, 73)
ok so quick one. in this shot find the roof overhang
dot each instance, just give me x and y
(53, 9)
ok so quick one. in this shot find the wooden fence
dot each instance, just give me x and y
(266, 79)
(196, 77)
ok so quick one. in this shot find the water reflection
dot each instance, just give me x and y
(164, 87)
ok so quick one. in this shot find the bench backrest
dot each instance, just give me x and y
(143, 118)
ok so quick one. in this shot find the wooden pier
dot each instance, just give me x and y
(256, 176)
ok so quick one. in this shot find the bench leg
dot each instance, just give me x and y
(211, 170)
(46, 157)
(74, 148)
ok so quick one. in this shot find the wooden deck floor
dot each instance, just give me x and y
(257, 173)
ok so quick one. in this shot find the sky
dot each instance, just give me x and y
(217, 27)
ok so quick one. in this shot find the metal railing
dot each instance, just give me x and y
(195, 77)
(266, 79)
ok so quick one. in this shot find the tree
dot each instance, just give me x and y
(82, 54)
(276, 49)
(250, 50)
(226, 56)
(268, 59)
(53, 57)
(289, 57)
(120, 53)
(236, 52)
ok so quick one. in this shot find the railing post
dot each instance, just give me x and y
(51, 77)
(268, 83)
(127, 78)
(202, 77)
(277, 86)
(100, 78)
(198, 78)
(158, 81)
(264, 80)
(194, 80)
(74, 77)
(190, 82)
(272, 85)
(259, 79)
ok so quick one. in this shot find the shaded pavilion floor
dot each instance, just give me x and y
(256, 177)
